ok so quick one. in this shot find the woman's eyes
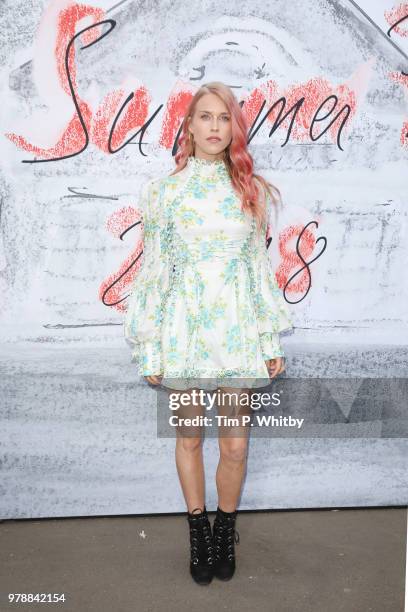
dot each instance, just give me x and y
(224, 117)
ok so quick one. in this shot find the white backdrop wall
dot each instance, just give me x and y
(86, 119)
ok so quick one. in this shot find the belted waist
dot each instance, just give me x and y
(209, 251)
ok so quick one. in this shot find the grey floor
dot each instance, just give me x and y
(350, 560)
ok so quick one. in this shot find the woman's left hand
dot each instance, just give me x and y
(275, 366)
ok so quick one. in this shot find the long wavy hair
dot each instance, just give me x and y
(237, 158)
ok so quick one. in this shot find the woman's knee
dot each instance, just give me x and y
(189, 444)
(233, 449)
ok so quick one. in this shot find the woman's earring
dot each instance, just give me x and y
(191, 139)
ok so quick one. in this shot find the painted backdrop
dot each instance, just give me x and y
(92, 98)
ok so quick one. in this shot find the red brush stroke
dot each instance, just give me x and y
(404, 135)
(402, 79)
(134, 115)
(290, 261)
(394, 15)
(67, 24)
(102, 120)
(72, 139)
(175, 110)
(99, 125)
(117, 224)
(314, 92)
(254, 101)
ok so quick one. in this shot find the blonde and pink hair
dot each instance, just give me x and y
(237, 157)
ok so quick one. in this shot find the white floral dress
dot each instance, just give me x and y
(205, 305)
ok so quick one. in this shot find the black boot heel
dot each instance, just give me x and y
(224, 537)
(201, 547)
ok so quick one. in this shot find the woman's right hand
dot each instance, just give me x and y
(275, 366)
(154, 379)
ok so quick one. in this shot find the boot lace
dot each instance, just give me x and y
(201, 541)
(225, 535)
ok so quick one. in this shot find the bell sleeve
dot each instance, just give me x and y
(143, 318)
(270, 307)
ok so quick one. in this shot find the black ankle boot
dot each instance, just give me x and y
(202, 556)
(224, 536)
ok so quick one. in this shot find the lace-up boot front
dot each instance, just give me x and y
(224, 537)
(201, 547)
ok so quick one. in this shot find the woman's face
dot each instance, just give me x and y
(211, 119)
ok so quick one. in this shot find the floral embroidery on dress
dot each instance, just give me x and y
(230, 208)
(173, 356)
(189, 216)
(209, 315)
(233, 340)
(202, 349)
(230, 270)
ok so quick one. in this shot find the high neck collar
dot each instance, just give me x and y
(208, 168)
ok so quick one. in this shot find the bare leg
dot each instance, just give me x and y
(233, 445)
(189, 459)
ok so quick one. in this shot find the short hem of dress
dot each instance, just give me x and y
(214, 382)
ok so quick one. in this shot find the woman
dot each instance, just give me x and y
(205, 310)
